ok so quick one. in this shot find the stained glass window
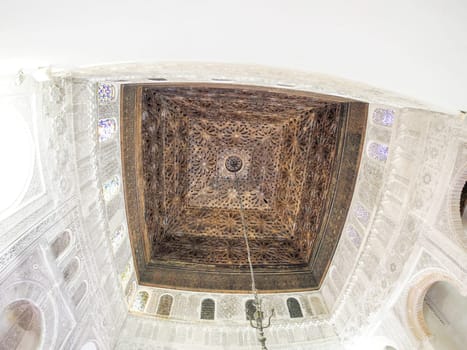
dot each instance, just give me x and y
(353, 235)
(207, 309)
(362, 214)
(60, 244)
(117, 238)
(140, 301)
(106, 128)
(378, 151)
(106, 92)
(125, 275)
(111, 188)
(382, 116)
(295, 310)
(165, 304)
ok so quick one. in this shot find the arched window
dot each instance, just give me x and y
(353, 236)
(106, 128)
(117, 238)
(79, 293)
(60, 244)
(362, 214)
(295, 310)
(207, 309)
(383, 116)
(250, 309)
(106, 92)
(444, 310)
(20, 326)
(140, 301)
(69, 272)
(111, 188)
(165, 304)
(378, 151)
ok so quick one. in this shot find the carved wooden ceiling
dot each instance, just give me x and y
(296, 155)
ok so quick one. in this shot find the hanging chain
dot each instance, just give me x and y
(245, 236)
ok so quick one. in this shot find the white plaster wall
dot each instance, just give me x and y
(414, 47)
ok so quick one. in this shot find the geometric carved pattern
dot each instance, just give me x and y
(287, 149)
(211, 183)
(186, 158)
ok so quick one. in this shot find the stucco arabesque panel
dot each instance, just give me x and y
(411, 141)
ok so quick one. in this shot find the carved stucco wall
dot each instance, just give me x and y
(402, 225)
(81, 307)
(414, 229)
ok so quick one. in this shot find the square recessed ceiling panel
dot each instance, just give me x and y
(190, 151)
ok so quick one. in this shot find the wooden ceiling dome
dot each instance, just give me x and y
(295, 158)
